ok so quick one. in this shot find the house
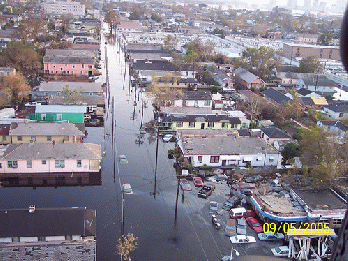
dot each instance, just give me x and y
(68, 232)
(174, 84)
(147, 69)
(275, 137)
(336, 128)
(275, 97)
(45, 132)
(50, 164)
(336, 112)
(129, 26)
(149, 55)
(247, 80)
(303, 92)
(224, 151)
(190, 121)
(47, 89)
(317, 84)
(292, 50)
(308, 38)
(69, 62)
(52, 113)
(194, 99)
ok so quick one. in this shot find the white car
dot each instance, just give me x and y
(123, 159)
(242, 239)
(167, 137)
(281, 251)
(127, 189)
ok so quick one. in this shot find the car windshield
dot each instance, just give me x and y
(278, 250)
(256, 224)
(198, 181)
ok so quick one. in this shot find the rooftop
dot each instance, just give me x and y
(60, 109)
(45, 129)
(245, 75)
(275, 133)
(72, 86)
(39, 151)
(201, 118)
(276, 96)
(197, 95)
(224, 145)
(65, 56)
(159, 66)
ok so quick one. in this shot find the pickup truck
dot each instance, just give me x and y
(206, 191)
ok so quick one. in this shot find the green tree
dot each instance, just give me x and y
(290, 151)
(310, 64)
(259, 61)
(72, 97)
(14, 90)
(156, 17)
(325, 38)
(22, 57)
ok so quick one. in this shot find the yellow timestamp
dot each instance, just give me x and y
(302, 227)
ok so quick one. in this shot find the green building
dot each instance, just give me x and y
(52, 113)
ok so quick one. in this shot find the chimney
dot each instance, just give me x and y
(31, 208)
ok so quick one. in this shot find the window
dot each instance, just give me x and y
(206, 103)
(13, 164)
(179, 124)
(54, 66)
(19, 138)
(340, 115)
(192, 124)
(83, 66)
(214, 159)
(79, 163)
(224, 125)
(0, 165)
(73, 66)
(59, 117)
(210, 124)
(59, 163)
(49, 138)
(43, 117)
(43, 162)
(61, 68)
(80, 72)
(200, 158)
(29, 164)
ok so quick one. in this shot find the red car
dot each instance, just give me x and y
(254, 224)
(197, 181)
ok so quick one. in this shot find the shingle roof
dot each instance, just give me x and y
(201, 118)
(337, 124)
(304, 91)
(321, 81)
(338, 108)
(38, 151)
(159, 66)
(60, 109)
(224, 145)
(45, 129)
(276, 96)
(69, 56)
(44, 222)
(72, 86)
(275, 133)
(245, 75)
(197, 95)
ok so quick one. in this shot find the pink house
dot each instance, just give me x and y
(69, 62)
(44, 160)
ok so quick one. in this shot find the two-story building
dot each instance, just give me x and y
(195, 99)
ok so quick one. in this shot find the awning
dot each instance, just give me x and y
(230, 157)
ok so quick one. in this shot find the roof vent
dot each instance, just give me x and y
(31, 208)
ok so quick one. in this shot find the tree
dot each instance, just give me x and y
(29, 29)
(204, 51)
(254, 107)
(22, 57)
(14, 90)
(126, 245)
(290, 151)
(169, 42)
(259, 61)
(325, 38)
(72, 97)
(111, 18)
(310, 64)
(156, 17)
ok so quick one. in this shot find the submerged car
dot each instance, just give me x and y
(242, 239)
(281, 251)
(230, 229)
(123, 159)
(270, 236)
(213, 206)
(185, 185)
(241, 226)
(126, 188)
(231, 202)
(254, 224)
(167, 137)
(206, 191)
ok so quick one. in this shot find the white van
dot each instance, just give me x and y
(238, 212)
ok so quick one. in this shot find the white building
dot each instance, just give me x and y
(64, 7)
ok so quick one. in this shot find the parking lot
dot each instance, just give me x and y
(200, 214)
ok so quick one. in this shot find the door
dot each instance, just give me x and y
(202, 126)
(223, 162)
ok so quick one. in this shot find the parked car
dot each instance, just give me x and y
(243, 185)
(238, 212)
(206, 191)
(213, 206)
(230, 229)
(215, 222)
(197, 181)
(253, 179)
(167, 137)
(231, 202)
(270, 236)
(220, 177)
(254, 224)
(242, 239)
(281, 251)
(241, 226)
(185, 185)
(122, 159)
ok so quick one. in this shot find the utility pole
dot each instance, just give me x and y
(176, 202)
(155, 185)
